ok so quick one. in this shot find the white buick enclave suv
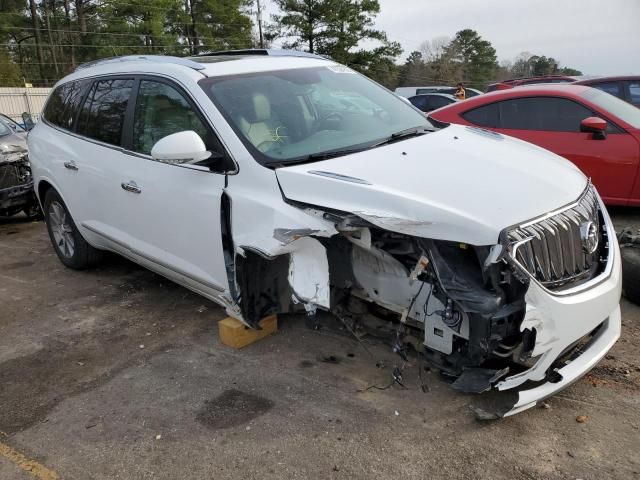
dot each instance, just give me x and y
(274, 181)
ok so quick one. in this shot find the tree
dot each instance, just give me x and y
(11, 75)
(218, 25)
(336, 28)
(529, 65)
(442, 66)
(476, 57)
(49, 38)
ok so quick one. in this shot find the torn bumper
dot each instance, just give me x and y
(599, 346)
(560, 321)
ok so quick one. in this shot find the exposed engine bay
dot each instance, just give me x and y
(528, 314)
(458, 305)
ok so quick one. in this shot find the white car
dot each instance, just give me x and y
(274, 181)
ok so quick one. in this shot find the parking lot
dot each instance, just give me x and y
(118, 373)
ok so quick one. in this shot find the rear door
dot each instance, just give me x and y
(170, 213)
(57, 151)
(98, 147)
(554, 123)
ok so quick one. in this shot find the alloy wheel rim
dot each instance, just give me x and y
(61, 230)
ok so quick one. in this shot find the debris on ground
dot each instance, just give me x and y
(581, 418)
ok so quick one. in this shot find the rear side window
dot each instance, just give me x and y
(485, 116)
(612, 88)
(62, 107)
(437, 102)
(550, 114)
(103, 111)
(419, 102)
(634, 92)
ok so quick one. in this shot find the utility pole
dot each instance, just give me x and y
(259, 14)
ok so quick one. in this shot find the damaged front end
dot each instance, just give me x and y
(503, 317)
(16, 183)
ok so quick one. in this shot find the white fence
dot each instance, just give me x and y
(16, 100)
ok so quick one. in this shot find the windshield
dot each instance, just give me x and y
(293, 115)
(621, 109)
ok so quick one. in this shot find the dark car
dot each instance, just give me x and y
(431, 101)
(625, 87)
(16, 182)
(516, 82)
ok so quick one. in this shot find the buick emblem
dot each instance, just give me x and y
(589, 237)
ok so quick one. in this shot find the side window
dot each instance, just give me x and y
(550, 114)
(103, 111)
(437, 102)
(634, 92)
(63, 105)
(160, 111)
(612, 88)
(419, 102)
(485, 116)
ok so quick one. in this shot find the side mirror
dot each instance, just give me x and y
(27, 121)
(595, 125)
(181, 147)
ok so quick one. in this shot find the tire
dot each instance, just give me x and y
(72, 249)
(631, 273)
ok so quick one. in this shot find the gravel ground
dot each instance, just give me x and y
(118, 373)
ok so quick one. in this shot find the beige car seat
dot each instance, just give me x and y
(261, 128)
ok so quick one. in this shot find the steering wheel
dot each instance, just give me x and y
(336, 115)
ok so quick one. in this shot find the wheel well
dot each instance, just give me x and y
(43, 188)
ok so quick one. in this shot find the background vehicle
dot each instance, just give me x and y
(431, 101)
(597, 131)
(515, 82)
(16, 182)
(625, 87)
(413, 91)
(15, 126)
(470, 92)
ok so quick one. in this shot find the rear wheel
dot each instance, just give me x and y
(631, 273)
(72, 249)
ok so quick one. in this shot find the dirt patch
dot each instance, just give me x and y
(16, 265)
(625, 376)
(232, 408)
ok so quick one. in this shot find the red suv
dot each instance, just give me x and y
(596, 131)
(625, 87)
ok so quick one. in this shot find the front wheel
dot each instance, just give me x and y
(72, 249)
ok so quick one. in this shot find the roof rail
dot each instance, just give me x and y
(260, 52)
(150, 58)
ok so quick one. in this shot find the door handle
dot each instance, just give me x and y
(70, 165)
(131, 186)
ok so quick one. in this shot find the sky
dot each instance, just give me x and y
(598, 37)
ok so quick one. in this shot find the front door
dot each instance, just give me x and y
(172, 212)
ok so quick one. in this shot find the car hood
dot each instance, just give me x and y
(459, 183)
(12, 144)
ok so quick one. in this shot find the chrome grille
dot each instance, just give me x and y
(558, 249)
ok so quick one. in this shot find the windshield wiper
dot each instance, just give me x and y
(313, 157)
(401, 135)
